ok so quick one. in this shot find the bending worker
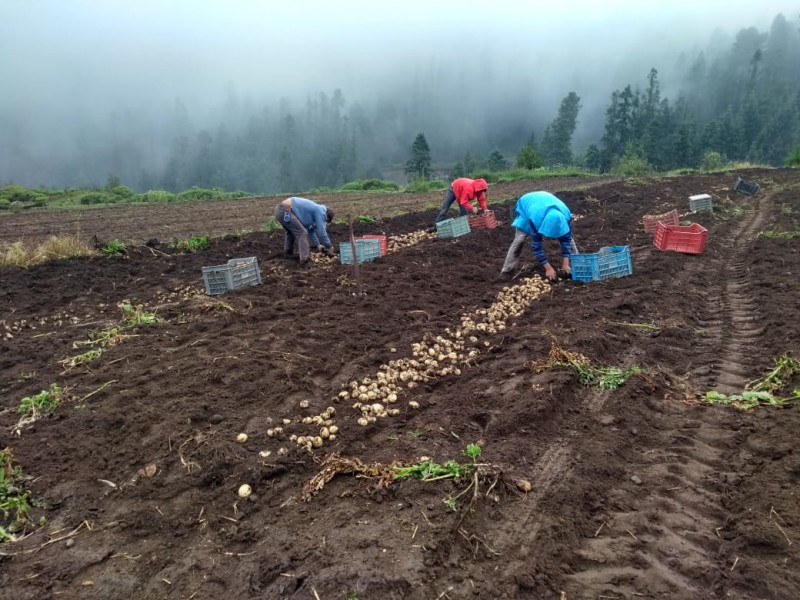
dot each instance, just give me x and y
(465, 191)
(305, 223)
(540, 215)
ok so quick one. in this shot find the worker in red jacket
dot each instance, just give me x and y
(465, 191)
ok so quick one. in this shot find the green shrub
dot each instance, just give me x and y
(366, 220)
(95, 198)
(712, 161)
(5, 204)
(631, 164)
(365, 185)
(155, 196)
(114, 248)
(420, 185)
(122, 192)
(196, 193)
(793, 160)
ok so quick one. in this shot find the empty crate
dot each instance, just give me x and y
(700, 202)
(366, 250)
(453, 227)
(612, 261)
(745, 187)
(650, 221)
(238, 273)
(689, 239)
(485, 221)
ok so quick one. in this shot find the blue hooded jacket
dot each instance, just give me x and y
(540, 215)
(313, 216)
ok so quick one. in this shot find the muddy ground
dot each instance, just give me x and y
(636, 492)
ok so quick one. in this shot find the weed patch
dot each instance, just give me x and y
(772, 389)
(194, 244)
(15, 505)
(607, 378)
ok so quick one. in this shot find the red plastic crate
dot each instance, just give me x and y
(650, 221)
(382, 238)
(485, 221)
(689, 240)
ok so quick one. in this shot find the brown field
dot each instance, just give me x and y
(642, 491)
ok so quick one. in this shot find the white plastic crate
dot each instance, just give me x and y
(700, 202)
(238, 273)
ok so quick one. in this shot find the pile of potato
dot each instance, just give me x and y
(439, 356)
(435, 356)
(397, 242)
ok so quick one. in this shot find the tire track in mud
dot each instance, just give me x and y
(664, 538)
(735, 326)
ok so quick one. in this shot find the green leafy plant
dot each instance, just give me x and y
(271, 225)
(764, 391)
(473, 452)
(366, 220)
(82, 359)
(607, 378)
(43, 403)
(15, 503)
(114, 248)
(136, 315)
(194, 244)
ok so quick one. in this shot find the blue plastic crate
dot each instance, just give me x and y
(238, 273)
(612, 261)
(450, 228)
(366, 250)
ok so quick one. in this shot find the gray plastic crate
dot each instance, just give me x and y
(450, 228)
(700, 202)
(238, 273)
(366, 250)
(745, 187)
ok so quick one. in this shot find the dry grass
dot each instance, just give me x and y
(55, 247)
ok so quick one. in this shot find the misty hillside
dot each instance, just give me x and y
(735, 95)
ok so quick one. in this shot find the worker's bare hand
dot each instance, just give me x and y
(550, 272)
(566, 267)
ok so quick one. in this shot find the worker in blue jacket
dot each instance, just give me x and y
(305, 223)
(539, 215)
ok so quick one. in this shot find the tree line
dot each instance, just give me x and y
(739, 103)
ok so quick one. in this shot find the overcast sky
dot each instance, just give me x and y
(70, 60)
(52, 51)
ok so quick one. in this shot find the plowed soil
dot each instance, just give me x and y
(642, 491)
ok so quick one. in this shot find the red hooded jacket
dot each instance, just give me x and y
(466, 190)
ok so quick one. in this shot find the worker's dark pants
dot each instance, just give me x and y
(296, 234)
(449, 198)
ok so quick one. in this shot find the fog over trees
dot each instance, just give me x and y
(201, 114)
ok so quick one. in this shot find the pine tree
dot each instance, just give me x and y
(496, 161)
(419, 165)
(556, 144)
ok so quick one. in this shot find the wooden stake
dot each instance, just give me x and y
(356, 271)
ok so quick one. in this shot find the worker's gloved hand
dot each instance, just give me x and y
(475, 210)
(328, 251)
(550, 272)
(317, 248)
